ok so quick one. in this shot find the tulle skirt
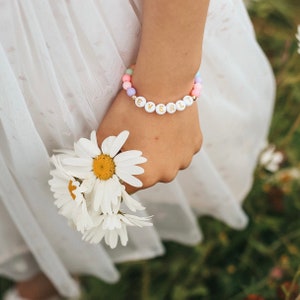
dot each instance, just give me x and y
(61, 64)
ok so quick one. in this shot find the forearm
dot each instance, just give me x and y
(171, 47)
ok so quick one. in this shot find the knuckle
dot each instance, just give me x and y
(148, 181)
(198, 143)
(185, 164)
(169, 176)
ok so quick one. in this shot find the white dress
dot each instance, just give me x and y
(61, 64)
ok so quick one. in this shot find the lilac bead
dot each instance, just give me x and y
(197, 79)
(131, 92)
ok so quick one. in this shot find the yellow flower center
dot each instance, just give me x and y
(104, 167)
(71, 188)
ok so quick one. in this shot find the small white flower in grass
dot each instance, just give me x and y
(69, 195)
(112, 227)
(298, 38)
(103, 167)
(271, 159)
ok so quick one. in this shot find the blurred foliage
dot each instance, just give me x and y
(262, 261)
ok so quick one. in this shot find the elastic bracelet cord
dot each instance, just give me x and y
(161, 109)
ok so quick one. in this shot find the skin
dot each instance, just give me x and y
(168, 58)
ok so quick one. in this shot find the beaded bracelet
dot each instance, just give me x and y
(161, 108)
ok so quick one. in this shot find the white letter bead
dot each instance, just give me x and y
(188, 100)
(180, 105)
(140, 101)
(150, 107)
(161, 109)
(171, 108)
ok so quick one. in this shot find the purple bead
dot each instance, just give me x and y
(198, 79)
(131, 92)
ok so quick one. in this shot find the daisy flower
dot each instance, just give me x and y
(113, 227)
(87, 183)
(104, 167)
(271, 159)
(69, 195)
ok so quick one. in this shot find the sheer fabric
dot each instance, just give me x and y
(61, 64)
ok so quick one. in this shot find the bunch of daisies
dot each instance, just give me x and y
(88, 188)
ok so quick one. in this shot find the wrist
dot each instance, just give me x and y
(164, 105)
(162, 86)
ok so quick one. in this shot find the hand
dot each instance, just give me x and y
(168, 142)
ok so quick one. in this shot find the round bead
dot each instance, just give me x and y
(195, 92)
(197, 86)
(180, 105)
(129, 71)
(131, 92)
(171, 108)
(150, 107)
(160, 109)
(188, 100)
(198, 80)
(140, 101)
(126, 85)
(126, 77)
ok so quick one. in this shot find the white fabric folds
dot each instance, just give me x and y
(61, 64)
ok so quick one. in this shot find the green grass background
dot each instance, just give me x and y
(235, 264)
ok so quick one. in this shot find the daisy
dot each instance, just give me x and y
(112, 227)
(102, 169)
(271, 159)
(69, 194)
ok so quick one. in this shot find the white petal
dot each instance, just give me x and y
(107, 144)
(94, 235)
(106, 206)
(88, 184)
(130, 162)
(81, 151)
(131, 203)
(98, 194)
(78, 172)
(78, 162)
(132, 170)
(123, 235)
(138, 221)
(272, 167)
(89, 147)
(127, 155)
(93, 138)
(113, 239)
(277, 157)
(129, 178)
(118, 143)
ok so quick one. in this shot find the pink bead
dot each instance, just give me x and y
(197, 86)
(126, 77)
(126, 85)
(195, 92)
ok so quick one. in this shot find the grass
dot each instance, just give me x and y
(261, 262)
